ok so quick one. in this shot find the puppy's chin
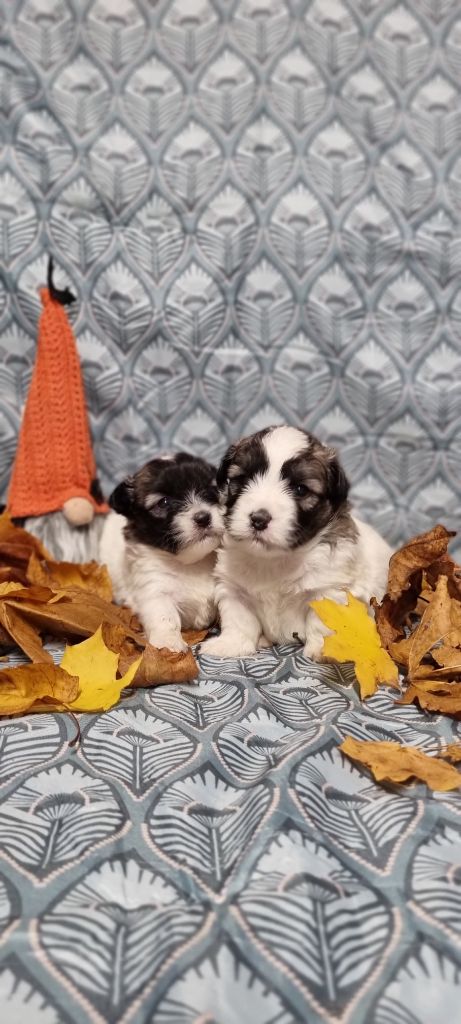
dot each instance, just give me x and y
(198, 550)
(256, 546)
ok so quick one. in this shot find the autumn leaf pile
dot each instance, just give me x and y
(417, 630)
(40, 599)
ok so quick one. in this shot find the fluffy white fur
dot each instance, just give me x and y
(168, 592)
(264, 584)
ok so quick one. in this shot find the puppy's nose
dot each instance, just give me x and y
(260, 519)
(202, 518)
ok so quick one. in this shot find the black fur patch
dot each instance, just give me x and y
(241, 463)
(320, 488)
(174, 479)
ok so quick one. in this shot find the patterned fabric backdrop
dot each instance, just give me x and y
(257, 204)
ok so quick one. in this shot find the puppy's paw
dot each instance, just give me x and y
(173, 641)
(228, 645)
(313, 648)
(263, 643)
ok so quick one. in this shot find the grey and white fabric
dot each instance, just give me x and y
(257, 204)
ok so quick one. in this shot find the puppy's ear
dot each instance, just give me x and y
(223, 468)
(337, 482)
(122, 498)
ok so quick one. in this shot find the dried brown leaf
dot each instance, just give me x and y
(434, 694)
(21, 687)
(17, 545)
(415, 556)
(452, 752)
(436, 625)
(400, 651)
(159, 666)
(62, 575)
(391, 616)
(391, 762)
(194, 636)
(22, 633)
(448, 657)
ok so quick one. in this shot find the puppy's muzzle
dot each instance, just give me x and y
(260, 520)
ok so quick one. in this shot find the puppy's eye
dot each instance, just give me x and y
(163, 503)
(301, 490)
(160, 506)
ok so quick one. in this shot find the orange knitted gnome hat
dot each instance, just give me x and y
(54, 458)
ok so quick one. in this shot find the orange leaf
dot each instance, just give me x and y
(436, 625)
(62, 575)
(159, 666)
(391, 762)
(434, 695)
(419, 553)
(21, 687)
(17, 545)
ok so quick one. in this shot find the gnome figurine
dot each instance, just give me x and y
(54, 468)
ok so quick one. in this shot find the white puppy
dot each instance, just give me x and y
(160, 548)
(290, 538)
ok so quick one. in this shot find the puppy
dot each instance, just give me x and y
(290, 538)
(159, 546)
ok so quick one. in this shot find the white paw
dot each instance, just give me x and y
(263, 643)
(229, 646)
(313, 648)
(173, 641)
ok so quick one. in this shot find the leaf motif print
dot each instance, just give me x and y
(28, 742)
(135, 747)
(261, 30)
(227, 90)
(79, 225)
(153, 98)
(189, 39)
(255, 745)
(192, 164)
(322, 921)
(353, 812)
(116, 40)
(427, 980)
(202, 824)
(265, 305)
(154, 237)
(302, 701)
(18, 220)
(20, 999)
(226, 231)
(264, 157)
(436, 879)
(221, 987)
(118, 166)
(121, 304)
(56, 817)
(47, 40)
(204, 703)
(139, 920)
(80, 95)
(161, 380)
(10, 906)
(194, 309)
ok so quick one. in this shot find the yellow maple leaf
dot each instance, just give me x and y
(96, 666)
(394, 763)
(356, 639)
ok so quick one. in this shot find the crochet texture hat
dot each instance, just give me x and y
(54, 462)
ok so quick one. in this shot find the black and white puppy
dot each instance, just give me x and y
(290, 538)
(159, 545)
